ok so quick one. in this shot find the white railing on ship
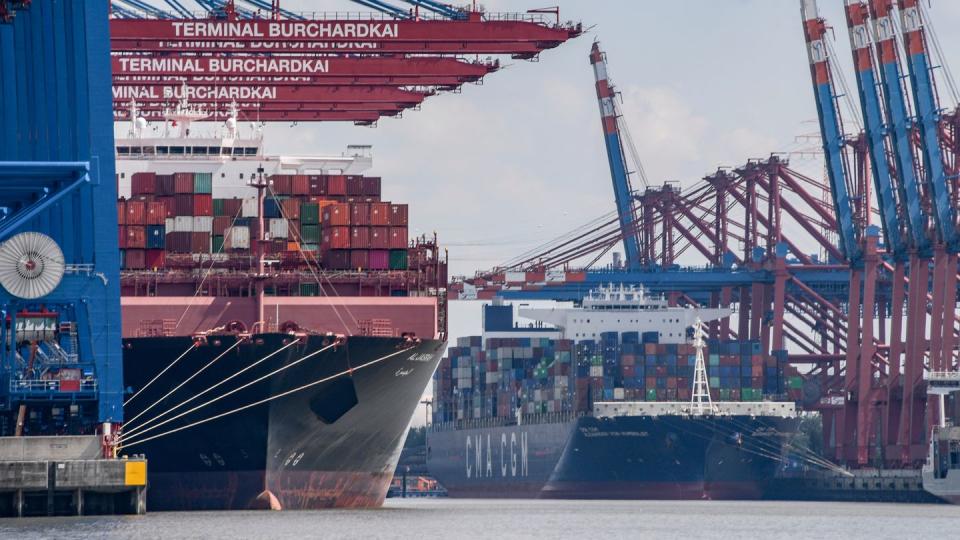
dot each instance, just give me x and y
(49, 385)
(526, 419)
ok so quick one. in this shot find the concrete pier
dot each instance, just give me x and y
(54, 476)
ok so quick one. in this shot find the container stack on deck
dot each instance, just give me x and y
(338, 221)
(479, 380)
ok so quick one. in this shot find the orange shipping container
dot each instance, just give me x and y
(336, 215)
(136, 237)
(136, 213)
(156, 213)
(379, 238)
(398, 237)
(360, 237)
(291, 208)
(380, 214)
(335, 238)
(360, 214)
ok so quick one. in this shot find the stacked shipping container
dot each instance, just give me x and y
(539, 375)
(340, 219)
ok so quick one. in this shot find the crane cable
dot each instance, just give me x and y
(262, 401)
(192, 346)
(195, 396)
(188, 379)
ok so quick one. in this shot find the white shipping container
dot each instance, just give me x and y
(203, 224)
(279, 228)
(236, 238)
(249, 207)
(618, 393)
(183, 224)
(596, 371)
(556, 275)
(515, 277)
(170, 225)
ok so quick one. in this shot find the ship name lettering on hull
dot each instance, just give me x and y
(511, 453)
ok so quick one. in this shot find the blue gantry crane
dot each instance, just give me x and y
(61, 369)
(622, 190)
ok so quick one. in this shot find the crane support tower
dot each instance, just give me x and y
(622, 191)
(61, 371)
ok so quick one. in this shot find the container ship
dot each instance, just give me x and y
(279, 326)
(599, 401)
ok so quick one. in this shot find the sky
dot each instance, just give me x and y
(503, 166)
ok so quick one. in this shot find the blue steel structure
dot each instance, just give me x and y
(830, 130)
(57, 178)
(622, 191)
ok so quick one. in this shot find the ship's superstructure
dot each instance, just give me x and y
(623, 308)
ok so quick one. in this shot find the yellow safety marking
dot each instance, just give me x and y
(135, 473)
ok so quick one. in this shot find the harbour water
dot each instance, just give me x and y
(504, 519)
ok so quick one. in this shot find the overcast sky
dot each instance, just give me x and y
(515, 161)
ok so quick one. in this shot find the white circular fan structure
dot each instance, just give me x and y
(31, 265)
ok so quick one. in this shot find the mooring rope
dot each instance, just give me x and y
(265, 400)
(170, 365)
(190, 378)
(231, 392)
(195, 396)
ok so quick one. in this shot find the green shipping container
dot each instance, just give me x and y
(398, 259)
(795, 382)
(310, 247)
(651, 394)
(217, 244)
(218, 207)
(310, 233)
(309, 289)
(203, 182)
(309, 214)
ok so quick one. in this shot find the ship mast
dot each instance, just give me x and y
(700, 402)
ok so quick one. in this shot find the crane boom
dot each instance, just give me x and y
(898, 118)
(928, 119)
(858, 21)
(830, 127)
(622, 191)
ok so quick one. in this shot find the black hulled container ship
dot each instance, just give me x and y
(590, 409)
(279, 327)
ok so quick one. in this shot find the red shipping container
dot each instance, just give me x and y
(336, 259)
(380, 213)
(220, 224)
(360, 237)
(282, 184)
(156, 213)
(71, 385)
(136, 237)
(359, 259)
(202, 204)
(134, 259)
(178, 242)
(370, 186)
(121, 212)
(165, 184)
(359, 214)
(398, 237)
(183, 204)
(183, 183)
(122, 237)
(353, 185)
(335, 238)
(380, 260)
(337, 185)
(379, 238)
(155, 259)
(336, 215)
(169, 204)
(317, 184)
(232, 207)
(301, 185)
(143, 183)
(291, 208)
(398, 215)
(136, 213)
(200, 242)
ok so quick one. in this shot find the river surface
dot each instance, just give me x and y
(587, 520)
